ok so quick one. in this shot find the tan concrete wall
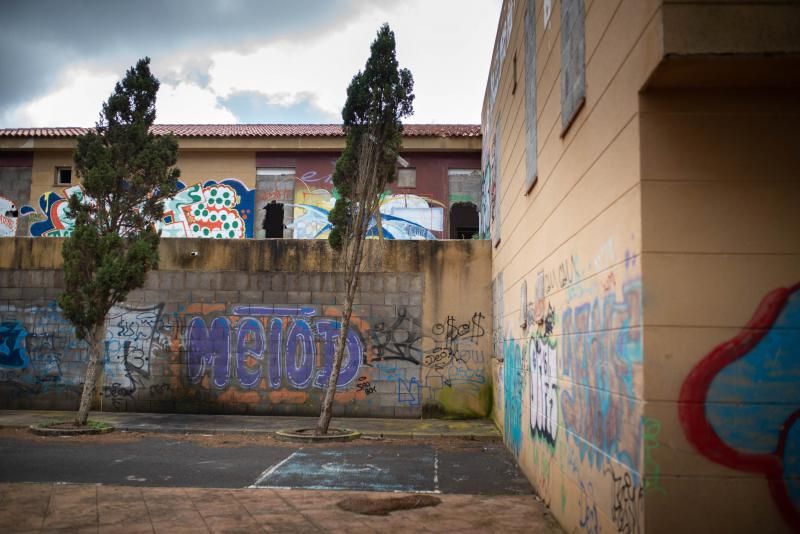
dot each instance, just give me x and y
(199, 166)
(43, 172)
(570, 386)
(721, 226)
(249, 326)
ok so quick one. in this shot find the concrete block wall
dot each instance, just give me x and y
(250, 327)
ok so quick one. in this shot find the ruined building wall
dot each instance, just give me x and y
(563, 212)
(247, 326)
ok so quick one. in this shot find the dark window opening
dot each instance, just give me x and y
(463, 220)
(514, 88)
(63, 176)
(273, 220)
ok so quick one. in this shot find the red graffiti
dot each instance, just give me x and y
(699, 430)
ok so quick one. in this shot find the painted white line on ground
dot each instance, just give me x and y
(436, 472)
(272, 469)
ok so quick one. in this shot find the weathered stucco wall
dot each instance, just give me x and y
(249, 327)
(721, 259)
(646, 265)
(567, 265)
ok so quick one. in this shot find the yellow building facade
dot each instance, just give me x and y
(641, 188)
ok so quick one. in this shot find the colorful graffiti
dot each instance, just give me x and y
(602, 358)
(740, 404)
(53, 207)
(489, 215)
(211, 209)
(39, 352)
(8, 218)
(236, 349)
(402, 216)
(512, 394)
(12, 348)
(544, 382)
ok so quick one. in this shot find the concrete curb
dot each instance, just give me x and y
(45, 431)
(299, 436)
(374, 434)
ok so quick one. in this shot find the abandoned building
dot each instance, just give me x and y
(277, 177)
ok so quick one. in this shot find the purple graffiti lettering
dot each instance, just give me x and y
(275, 345)
(249, 343)
(208, 348)
(299, 354)
(329, 332)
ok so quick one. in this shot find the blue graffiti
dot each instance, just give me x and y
(602, 355)
(749, 399)
(12, 350)
(512, 393)
(409, 391)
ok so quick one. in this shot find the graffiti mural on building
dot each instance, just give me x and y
(278, 344)
(41, 348)
(740, 405)
(401, 339)
(402, 216)
(602, 358)
(489, 216)
(53, 212)
(652, 481)
(627, 512)
(12, 348)
(211, 209)
(513, 392)
(544, 381)
(130, 338)
(9, 214)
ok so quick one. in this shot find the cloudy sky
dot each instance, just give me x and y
(237, 61)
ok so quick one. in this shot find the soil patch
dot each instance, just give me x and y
(386, 505)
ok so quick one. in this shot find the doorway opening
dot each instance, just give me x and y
(273, 221)
(463, 220)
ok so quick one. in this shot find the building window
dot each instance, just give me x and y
(407, 178)
(514, 88)
(531, 172)
(573, 61)
(63, 175)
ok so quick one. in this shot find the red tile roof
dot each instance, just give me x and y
(258, 130)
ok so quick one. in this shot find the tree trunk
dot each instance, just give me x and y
(96, 350)
(351, 273)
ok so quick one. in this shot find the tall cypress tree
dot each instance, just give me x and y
(377, 99)
(126, 173)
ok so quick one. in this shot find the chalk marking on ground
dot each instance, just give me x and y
(272, 469)
(436, 472)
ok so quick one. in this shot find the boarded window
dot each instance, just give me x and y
(531, 171)
(573, 61)
(407, 178)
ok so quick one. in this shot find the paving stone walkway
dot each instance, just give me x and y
(98, 509)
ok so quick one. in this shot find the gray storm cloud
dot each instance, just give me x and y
(39, 39)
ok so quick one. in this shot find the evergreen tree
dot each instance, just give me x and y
(377, 99)
(126, 173)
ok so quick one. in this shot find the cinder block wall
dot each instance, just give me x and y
(249, 327)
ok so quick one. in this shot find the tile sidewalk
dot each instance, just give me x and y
(222, 424)
(100, 509)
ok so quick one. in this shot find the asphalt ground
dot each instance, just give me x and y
(443, 465)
